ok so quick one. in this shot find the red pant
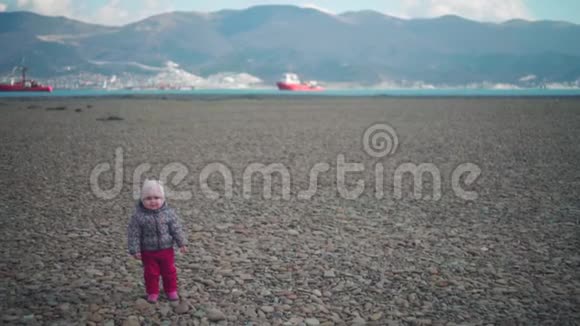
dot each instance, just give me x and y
(156, 263)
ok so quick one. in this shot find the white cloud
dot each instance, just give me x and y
(482, 10)
(153, 7)
(47, 7)
(113, 13)
(317, 7)
(3, 7)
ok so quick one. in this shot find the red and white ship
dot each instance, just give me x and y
(291, 82)
(24, 85)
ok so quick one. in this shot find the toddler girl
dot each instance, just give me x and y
(152, 231)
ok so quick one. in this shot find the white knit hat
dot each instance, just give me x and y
(152, 188)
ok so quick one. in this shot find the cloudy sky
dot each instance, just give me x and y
(118, 12)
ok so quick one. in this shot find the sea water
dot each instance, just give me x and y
(463, 92)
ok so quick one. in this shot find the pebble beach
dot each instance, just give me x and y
(508, 255)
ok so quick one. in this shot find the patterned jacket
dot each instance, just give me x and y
(151, 230)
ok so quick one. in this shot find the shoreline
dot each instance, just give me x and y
(173, 96)
(276, 94)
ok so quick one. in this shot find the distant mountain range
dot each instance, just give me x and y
(365, 47)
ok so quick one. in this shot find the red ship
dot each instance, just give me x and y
(291, 82)
(24, 85)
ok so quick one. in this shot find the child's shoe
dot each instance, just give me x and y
(152, 298)
(173, 296)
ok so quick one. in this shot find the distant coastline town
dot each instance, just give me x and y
(170, 77)
(174, 78)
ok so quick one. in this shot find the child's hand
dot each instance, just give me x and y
(137, 256)
(183, 249)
